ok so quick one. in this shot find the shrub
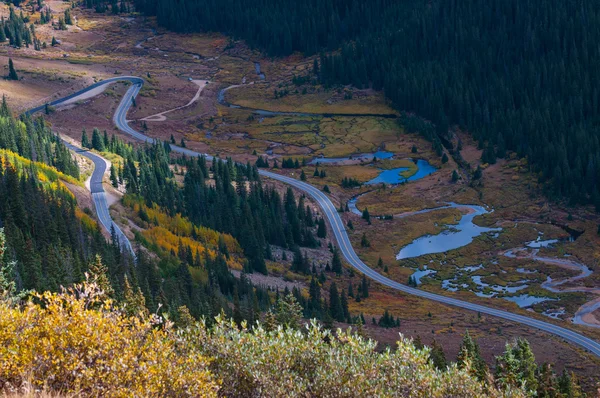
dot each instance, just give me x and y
(77, 342)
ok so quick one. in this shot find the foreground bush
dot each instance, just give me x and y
(76, 342)
(287, 362)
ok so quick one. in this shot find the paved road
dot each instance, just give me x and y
(343, 240)
(100, 166)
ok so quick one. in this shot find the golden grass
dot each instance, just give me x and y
(262, 96)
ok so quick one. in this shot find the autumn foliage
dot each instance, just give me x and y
(79, 342)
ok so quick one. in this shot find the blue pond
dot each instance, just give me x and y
(393, 176)
(418, 274)
(456, 236)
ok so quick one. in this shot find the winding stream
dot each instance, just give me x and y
(531, 251)
(454, 237)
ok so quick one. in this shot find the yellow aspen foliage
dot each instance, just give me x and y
(76, 342)
(169, 233)
(45, 173)
(88, 222)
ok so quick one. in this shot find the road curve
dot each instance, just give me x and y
(100, 166)
(345, 245)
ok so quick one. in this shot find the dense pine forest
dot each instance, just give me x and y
(55, 244)
(31, 139)
(519, 75)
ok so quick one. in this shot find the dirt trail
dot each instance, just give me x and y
(160, 117)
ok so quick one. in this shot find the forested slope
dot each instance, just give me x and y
(520, 75)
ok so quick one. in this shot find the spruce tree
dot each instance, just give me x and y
(335, 305)
(336, 262)
(98, 273)
(85, 143)
(113, 176)
(469, 352)
(97, 141)
(437, 356)
(12, 73)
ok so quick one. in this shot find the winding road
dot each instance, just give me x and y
(100, 166)
(340, 233)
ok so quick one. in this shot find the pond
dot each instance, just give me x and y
(418, 274)
(483, 289)
(454, 237)
(394, 177)
(525, 300)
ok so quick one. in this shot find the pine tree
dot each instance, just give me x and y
(437, 356)
(517, 367)
(336, 262)
(366, 216)
(364, 287)
(455, 176)
(469, 352)
(97, 141)
(85, 143)
(98, 273)
(113, 176)
(335, 305)
(364, 242)
(12, 73)
(288, 312)
(344, 303)
(321, 229)
(68, 18)
(184, 319)
(134, 302)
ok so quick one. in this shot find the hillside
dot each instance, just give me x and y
(518, 75)
(422, 172)
(80, 342)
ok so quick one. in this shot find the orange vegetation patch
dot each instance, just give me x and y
(172, 234)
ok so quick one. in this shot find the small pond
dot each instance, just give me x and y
(394, 177)
(454, 237)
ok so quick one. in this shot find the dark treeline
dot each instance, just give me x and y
(31, 139)
(519, 75)
(254, 214)
(279, 27)
(114, 6)
(50, 244)
(225, 196)
(17, 32)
